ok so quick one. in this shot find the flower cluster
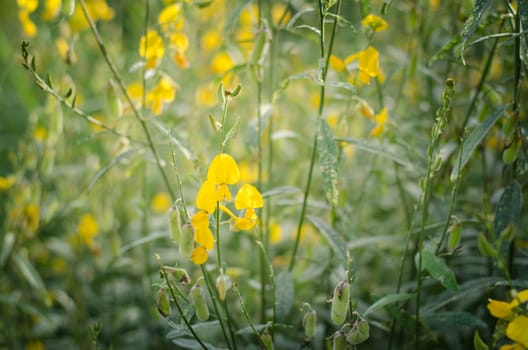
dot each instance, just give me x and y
(513, 320)
(223, 171)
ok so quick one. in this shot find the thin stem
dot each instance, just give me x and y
(182, 315)
(326, 57)
(272, 279)
(137, 113)
(251, 323)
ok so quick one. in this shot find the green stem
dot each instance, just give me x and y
(250, 321)
(137, 113)
(326, 57)
(272, 279)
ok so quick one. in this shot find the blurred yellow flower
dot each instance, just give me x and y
(381, 119)
(7, 182)
(366, 63)
(151, 48)
(366, 110)
(221, 63)
(98, 11)
(30, 29)
(39, 134)
(248, 198)
(336, 63)
(87, 229)
(164, 92)
(211, 40)
(275, 233)
(205, 95)
(51, 9)
(280, 13)
(27, 5)
(160, 203)
(170, 18)
(222, 171)
(375, 23)
(32, 217)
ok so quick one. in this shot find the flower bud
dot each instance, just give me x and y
(200, 304)
(186, 240)
(223, 283)
(309, 321)
(340, 302)
(163, 303)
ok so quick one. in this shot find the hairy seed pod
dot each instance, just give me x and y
(177, 275)
(186, 240)
(68, 6)
(339, 341)
(223, 283)
(309, 321)
(200, 304)
(163, 303)
(174, 224)
(359, 332)
(454, 236)
(267, 340)
(340, 302)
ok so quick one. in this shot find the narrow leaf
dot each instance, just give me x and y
(472, 22)
(377, 148)
(334, 240)
(28, 271)
(284, 294)
(231, 132)
(7, 247)
(455, 319)
(478, 343)
(438, 269)
(110, 165)
(473, 140)
(508, 209)
(328, 161)
(387, 300)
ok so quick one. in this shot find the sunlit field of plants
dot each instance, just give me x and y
(263, 174)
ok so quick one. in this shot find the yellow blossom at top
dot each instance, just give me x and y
(51, 9)
(366, 63)
(7, 182)
(381, 119)
(375, 23)
(248, 197)
(88, 229)
(170, 18)
(503, 309)
(98, 11)
(223, 171)
(160, 203)
(151, 48)
(163, 92)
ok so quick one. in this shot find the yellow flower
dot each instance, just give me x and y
(211, 40)
(98, 11)
(336, 63)
(88, 229)
(30, 29)
(27, 5)
(223, 171)
(248, 198)
(160, 203)
(39, 134)
(205, 95)
(275, 233)
(381, 119)
(7, 182)
(170, 18)
(32, 217)
(51, 9)
(206, 197)
(499, 309)
(366, 110)
(179, 42)
(375, 23)
(517, 330)
(221, 63)
(367, 65)
(199, 255)
(151, 48)
(162, 93)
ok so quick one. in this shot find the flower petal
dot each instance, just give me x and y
(199, 255)
(248, 197)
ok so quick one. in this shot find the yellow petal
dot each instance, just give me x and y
(199, 255)
(248, 197)
(7, 182)
(377, 24)
(336, 63)
(200, 220)
(517, 330)
(160, 203)
(499, 309)
(204, 237)
(223, 193)
(223, 170)
(206, 197)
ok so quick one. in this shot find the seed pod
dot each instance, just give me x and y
(359, 332)
(186, 240)
(339, 341)
(309, 321)
(113, 102)
(200, 304)
(177, 275)
(223, 283)
(163, 303)
(174, 224)
(340, 302)
(267, 340)
(68, 6)
(454, 236)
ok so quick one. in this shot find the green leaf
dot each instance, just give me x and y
(472, 22)
(454, 319)
(508, 209)
(334, 239)
(478, 343)
(28, 271)
(7, 247)
(284, 294)
(231, 132)
(387, 300)
(281, 191)
(473, 140)
(141, 241)
(438, 269)
(328, 161)
(522, 7)
(115, 161)
(377, 148)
